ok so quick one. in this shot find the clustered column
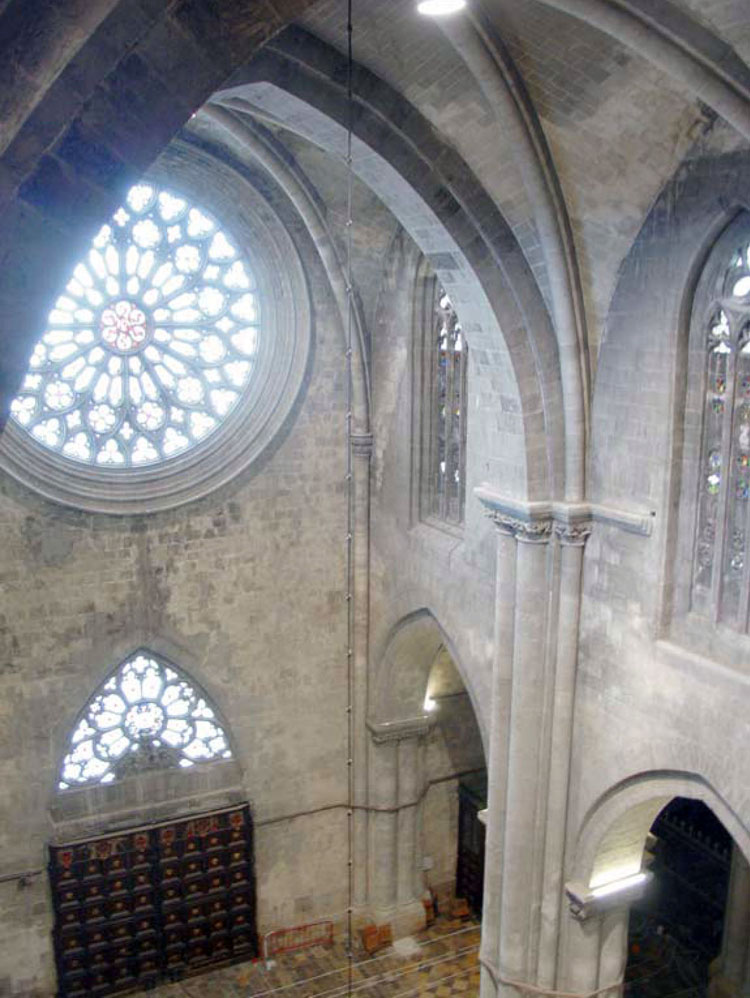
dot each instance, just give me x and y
(537, 623)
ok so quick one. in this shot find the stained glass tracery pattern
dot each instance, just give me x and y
(721, 579)
(447, 450)
(146, 716)
(152, 343)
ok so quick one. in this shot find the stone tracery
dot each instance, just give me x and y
(152, 343)
(146, 716)
(720, 558)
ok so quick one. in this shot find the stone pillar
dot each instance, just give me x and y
(613, 951)
(498, 758)
(383, 783)
(409, 792)
(583, 939)
(732, 974)
(572, 538)
(361, 455)
(520, 855)
(537, 624)
(534, 684)
(396, 786)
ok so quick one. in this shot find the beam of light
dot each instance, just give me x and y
(615, 886)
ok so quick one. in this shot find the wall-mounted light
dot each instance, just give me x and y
(429, 704)
(587, 901)
(437, 8)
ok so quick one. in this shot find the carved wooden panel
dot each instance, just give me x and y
(153, 903)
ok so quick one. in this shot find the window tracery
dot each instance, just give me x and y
(152, 343)
(146, 716)
(721, 573)
(448, 357)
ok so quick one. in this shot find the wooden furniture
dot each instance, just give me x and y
(154, 903)
(376, 937)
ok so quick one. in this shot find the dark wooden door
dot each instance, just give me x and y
(152, 904)
(472, 798)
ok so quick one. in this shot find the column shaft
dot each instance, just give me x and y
(498, 755)
(571, 561)
(518, 903)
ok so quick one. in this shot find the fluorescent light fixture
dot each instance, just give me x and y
(613, 873)
(587, 901)
(437, 8)
(623, 884)
(429, 704)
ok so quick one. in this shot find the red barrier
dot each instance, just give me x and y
(297, 937)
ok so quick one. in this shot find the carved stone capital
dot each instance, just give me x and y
(526, 531)
(572, 521)
(573, 534)
(397, 731)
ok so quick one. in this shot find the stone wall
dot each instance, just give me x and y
(658, 693)
(244, 591)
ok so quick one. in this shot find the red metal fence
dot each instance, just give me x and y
(297, 937)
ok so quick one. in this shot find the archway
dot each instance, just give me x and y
(453, 826)
(427, 782)
(661, 868)
(676, 928)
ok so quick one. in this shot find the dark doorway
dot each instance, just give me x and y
(472, 798)
(676, 929)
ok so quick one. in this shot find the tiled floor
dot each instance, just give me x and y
(446, 966)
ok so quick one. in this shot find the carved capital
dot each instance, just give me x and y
(398, 731)
(573, 534)
(526, 531)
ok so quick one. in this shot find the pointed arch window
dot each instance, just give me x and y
(445, 352)
(721, 562)
(147, 715)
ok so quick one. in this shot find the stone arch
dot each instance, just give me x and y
(400, 680)
(429, 188)
(97, 114)
(613, 833)
(93, 807)
(642, 372)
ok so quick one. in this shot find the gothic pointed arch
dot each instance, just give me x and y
(148, 714)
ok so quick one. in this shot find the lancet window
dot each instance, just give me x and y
(445, 486)
(721, 564)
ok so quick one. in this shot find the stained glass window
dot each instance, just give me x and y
(146, 716)
(152, 342)
(721, 582)
(448, 357)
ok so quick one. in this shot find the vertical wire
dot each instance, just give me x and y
(349, 505)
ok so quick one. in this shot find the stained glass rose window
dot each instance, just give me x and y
(146, 716)
(152, 343)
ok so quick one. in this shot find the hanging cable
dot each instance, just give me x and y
(349, 505)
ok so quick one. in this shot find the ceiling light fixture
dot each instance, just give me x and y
(438, 8)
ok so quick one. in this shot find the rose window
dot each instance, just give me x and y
(146, 716)
(151, 345)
